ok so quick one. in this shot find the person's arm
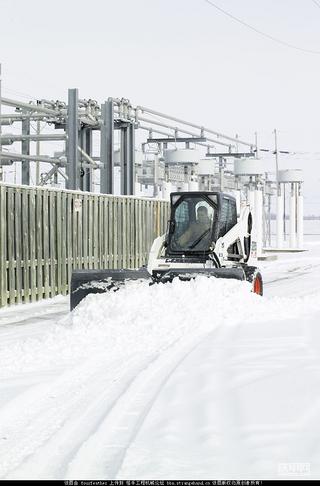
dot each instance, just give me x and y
(186, 236)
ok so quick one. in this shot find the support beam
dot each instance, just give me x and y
(73, 171)
(25, 149)
(123, 159)
(251, 197)
(300, 217)
(106, 148)
(221, 173)
(293, 215)
(237, 155)
(10, 138)
(258, 217)
(132, 159)
(32, 158)
(30, 107)
(53, 171)
(280, 215)
(177, 139)
(16, 117)
(86, 173)
(127, 159)
(181, 130)
(143, 109)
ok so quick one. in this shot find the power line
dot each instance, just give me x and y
(19, 93)
(316, 3)
(275, 39)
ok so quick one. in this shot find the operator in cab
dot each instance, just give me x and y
(197, 230)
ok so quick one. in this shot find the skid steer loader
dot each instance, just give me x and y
(204, 237)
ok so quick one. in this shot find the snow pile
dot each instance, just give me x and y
(146, 319)
(162, 381)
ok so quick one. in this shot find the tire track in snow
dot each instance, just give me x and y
(246, 445)
(102, 455)
(55, 425)
(29, 422)
(237, 444)
(51, 421)
(218, 343)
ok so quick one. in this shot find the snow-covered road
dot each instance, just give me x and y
(186, 380)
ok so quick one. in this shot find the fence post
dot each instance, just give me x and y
(3, 245)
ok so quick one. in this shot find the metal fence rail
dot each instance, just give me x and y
(46, 233)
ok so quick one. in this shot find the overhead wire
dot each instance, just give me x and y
(264, 34)
(21, 94)
(316, 3)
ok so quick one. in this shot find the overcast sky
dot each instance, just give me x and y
(181, 57)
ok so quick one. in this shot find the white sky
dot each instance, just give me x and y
(181, 57)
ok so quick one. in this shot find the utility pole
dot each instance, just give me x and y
(221, 172)
(38, 153)
(281, 213)
(276, 154)
(25, 149)
(72, 170)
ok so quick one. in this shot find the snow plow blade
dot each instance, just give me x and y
(85, 282)
(186, 274)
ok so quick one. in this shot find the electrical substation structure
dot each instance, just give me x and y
(76, 176)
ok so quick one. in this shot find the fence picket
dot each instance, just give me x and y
(45, 233)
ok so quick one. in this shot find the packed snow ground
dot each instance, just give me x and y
(188, 380)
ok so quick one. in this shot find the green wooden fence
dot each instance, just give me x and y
(45, 233)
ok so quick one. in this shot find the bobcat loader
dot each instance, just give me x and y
(204, 237)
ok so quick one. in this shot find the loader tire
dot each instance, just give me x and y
(253, 275)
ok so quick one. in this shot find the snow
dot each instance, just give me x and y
(189, 380)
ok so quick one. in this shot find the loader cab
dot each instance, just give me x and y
(227, 214)
(197, 220)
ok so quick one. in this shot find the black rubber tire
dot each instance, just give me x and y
(253, 275)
